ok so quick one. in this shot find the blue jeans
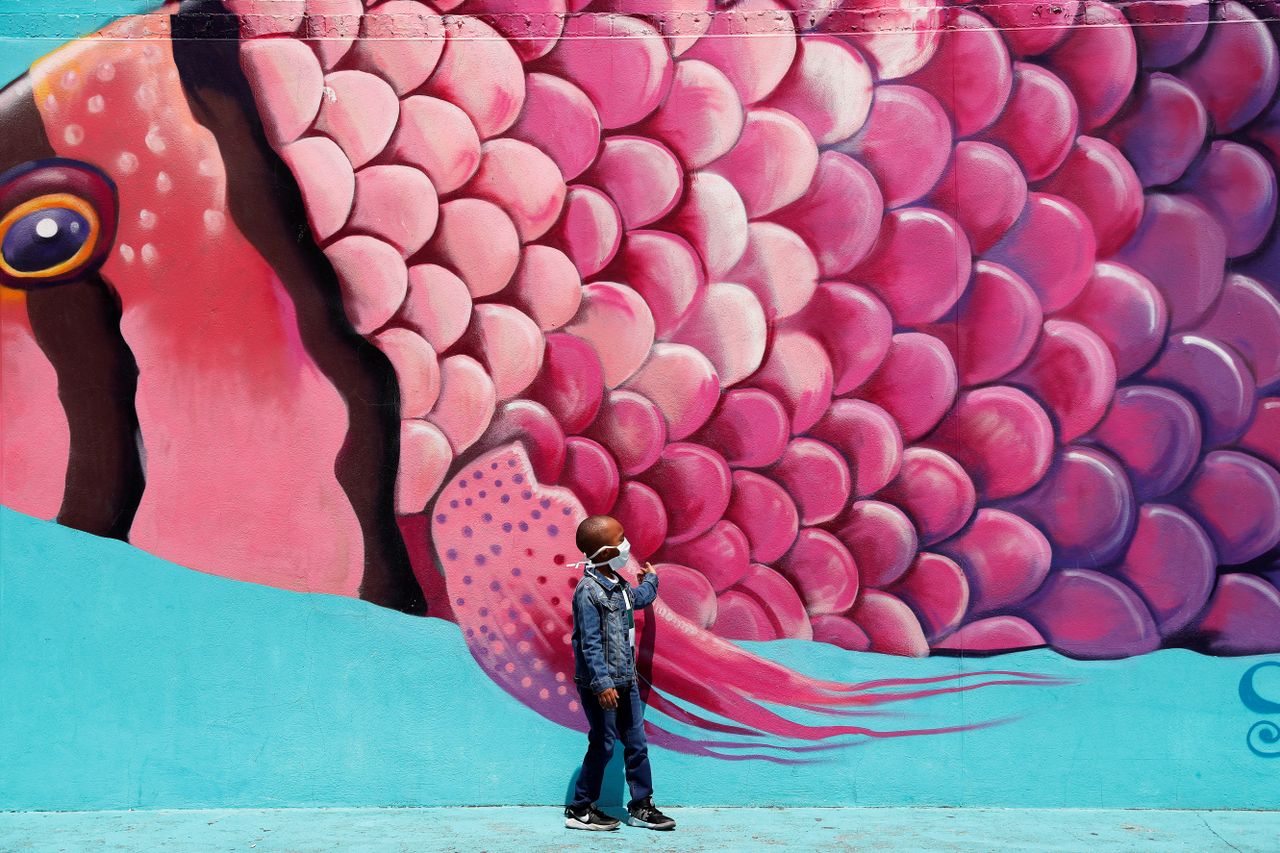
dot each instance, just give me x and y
(625, 723)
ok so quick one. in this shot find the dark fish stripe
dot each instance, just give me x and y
(267, 206)
(77, 325)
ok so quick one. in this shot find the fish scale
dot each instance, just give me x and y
(768, 222)
(684, 114)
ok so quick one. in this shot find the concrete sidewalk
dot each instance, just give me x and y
(532, 830)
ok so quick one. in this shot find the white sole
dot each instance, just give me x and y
(570, 823)
(635, 821)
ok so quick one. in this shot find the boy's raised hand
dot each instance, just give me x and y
(647, 570)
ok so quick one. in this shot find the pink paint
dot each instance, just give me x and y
(822, 571)
(35, 441)
(936, 590)
(905, 143)
(1000, 436)
(1100, 181)
(865, 435)
(559, 118)
(570, 382)
(1005, 559)
(970, 73)
(480, 73)
(508, 344)
(437, 137)
(984, 189)
(396, 204)
(1098, 61)
(359, 113)
(236, 418)
(839, 214)
(994, 326)
(771, 164)
(751, 428)
(728, 326)
(1126, 311)
(934, 491)
(476, 239)
(620, 62)
(1108, 619)
(722, 555)
(523, 181)
(763, 510)
(1071, 372)
(665, 270)
(701, 118)
(816, 476)
(798, 374)
(682, 384)
(881, 540)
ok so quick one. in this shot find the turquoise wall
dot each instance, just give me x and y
(129, 682)
(31, 28)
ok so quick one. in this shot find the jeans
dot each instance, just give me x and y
(627, 723)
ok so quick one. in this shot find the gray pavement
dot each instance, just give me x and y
(531, 830)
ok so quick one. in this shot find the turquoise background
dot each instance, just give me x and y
(129, 682)
(31, 28)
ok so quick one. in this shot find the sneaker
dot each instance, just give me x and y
(645, 813)
(589, 818)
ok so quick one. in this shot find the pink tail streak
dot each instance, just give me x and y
(504, 542)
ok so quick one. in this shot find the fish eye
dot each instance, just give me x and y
(57, 222)
(47, 236)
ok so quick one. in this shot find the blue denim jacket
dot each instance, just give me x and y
(602, 657)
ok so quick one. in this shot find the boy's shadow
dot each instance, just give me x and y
(613, 794)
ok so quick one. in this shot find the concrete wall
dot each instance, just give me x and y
(931, 353)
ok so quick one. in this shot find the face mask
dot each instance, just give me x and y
(624, 554)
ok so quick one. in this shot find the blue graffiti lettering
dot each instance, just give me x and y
(1249, 693)
(1263, 738)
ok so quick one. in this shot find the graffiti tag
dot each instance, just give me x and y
(1263, 737)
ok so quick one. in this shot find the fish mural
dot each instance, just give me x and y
(910, 327)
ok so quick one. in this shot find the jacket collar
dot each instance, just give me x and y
(599, 578)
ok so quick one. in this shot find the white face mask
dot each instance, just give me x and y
(624, 554)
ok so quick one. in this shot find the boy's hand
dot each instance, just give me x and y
(608, 699)
(647, 570)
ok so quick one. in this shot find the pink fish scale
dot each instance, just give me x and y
(685, 257)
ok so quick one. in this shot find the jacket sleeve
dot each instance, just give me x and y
(591, 633)
(646, 591)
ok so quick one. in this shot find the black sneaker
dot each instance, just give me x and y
(589, 818)
(645, 813)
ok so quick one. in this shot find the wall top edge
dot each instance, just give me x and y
(879, 17)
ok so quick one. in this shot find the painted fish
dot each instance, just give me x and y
(909, 328)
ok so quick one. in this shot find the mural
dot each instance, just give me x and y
(912, 327)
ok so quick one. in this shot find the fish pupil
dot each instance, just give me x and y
(44, 239)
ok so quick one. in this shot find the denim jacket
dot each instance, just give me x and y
(602, 656)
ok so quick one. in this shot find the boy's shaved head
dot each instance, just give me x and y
(596, 532)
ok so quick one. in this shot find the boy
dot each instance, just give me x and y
(605, 672)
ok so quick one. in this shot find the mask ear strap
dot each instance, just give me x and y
(590, 561)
